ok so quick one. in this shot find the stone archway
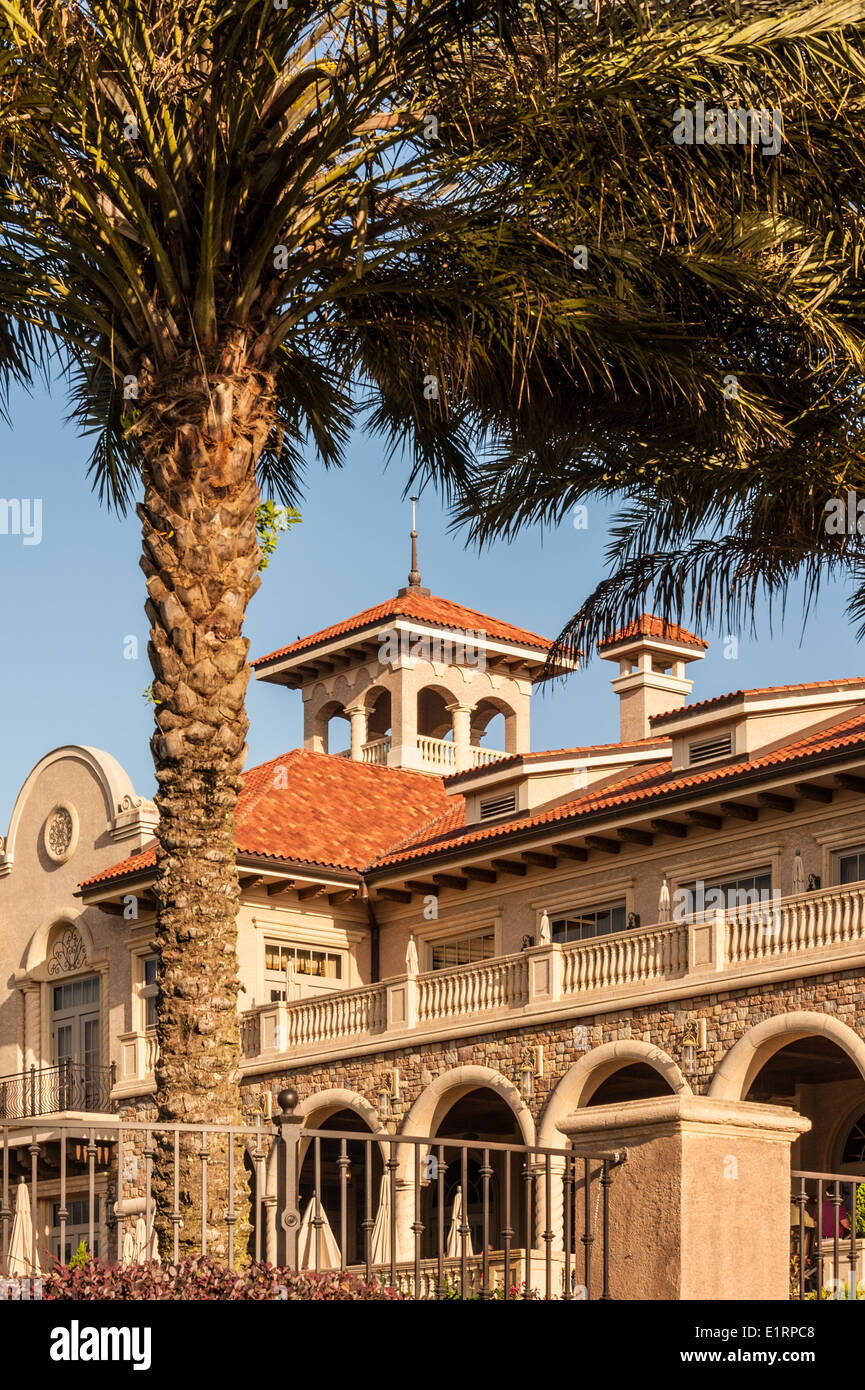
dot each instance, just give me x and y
(427, 1115)
(438, 1097)
(315, 1110)
(579, 1084)
(321, 1105)
(575, 1090)
(736, 1073)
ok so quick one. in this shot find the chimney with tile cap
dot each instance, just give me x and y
(652, 655)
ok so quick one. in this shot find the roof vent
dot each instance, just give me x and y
(710, 748)
(505, 805)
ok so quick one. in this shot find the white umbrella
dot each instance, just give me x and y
(454, 1248)
(545, 936)
(129, 1252)
(292, 983)
(138, 1247)
(411, 961)
(379, 1246)
(23, 1261)
(798, 873)
(329, 1257)
(664, 901)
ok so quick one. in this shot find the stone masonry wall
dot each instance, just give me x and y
(729, 1015)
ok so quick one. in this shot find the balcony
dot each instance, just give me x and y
(531, 981)
(138, 1052)
(812, 931)
(54, 1090)
(436, 753)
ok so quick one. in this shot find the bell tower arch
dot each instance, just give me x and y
(418, 680)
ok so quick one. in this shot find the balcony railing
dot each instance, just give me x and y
(808, 921)
(537, 978)
(52, 1090)
(826, 924)
(138, 1052)
(432, 752)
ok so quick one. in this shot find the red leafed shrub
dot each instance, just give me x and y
(196, 1279)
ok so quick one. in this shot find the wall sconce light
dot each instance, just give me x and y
(693, 1041)
(388, 1091)
(531, 1065)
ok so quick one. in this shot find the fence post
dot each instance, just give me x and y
(287, 1173)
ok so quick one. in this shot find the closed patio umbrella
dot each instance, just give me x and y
(23, 1260)
(329, 1257)
(292, 983)
(138, 1247)
(454, 1247)
(379, 1246)
(411, 960)
(798, 873)
(664, 901)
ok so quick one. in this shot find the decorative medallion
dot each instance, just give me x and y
(61, 833)
(69, 953)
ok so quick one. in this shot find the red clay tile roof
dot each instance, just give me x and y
(648, 625)
(734, 696)
(439, 612)
(330, 813)
(648, 784)
(336, 814)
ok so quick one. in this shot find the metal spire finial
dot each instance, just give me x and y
(414, 574)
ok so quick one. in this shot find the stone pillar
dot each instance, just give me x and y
(700, 1209)
(359, 717)
(313, 741)
(462, 720)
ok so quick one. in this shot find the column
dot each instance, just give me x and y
(358, 716)
(700, 1209)
(462, 722)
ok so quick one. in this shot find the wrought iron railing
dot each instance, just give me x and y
(827, 1239)
(433, 1217)
(51, 1090)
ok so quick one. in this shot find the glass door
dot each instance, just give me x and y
(75, 1043)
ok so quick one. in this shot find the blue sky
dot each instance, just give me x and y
(70, 603)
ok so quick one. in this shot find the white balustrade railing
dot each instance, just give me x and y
(546, 975)
(809, 921)
(306, 1023)
(376, 751)
(436, 752)
(473, 989)
(482, 757)
(138, 1054)
(606, 962)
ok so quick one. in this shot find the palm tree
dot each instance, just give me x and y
(723, 313)
(239, 225)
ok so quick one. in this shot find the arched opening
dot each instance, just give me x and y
(481, 1114)
(636, 1081)
(330, 737)
(364, 1170)
(379, 714)
(820, 1080)
(494, 726)
(629, 1069)
(433, 717)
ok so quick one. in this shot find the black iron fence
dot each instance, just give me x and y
(50, 1090)
(435, 1217)
(827, 1236)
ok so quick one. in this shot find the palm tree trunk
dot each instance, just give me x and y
(201, 437)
